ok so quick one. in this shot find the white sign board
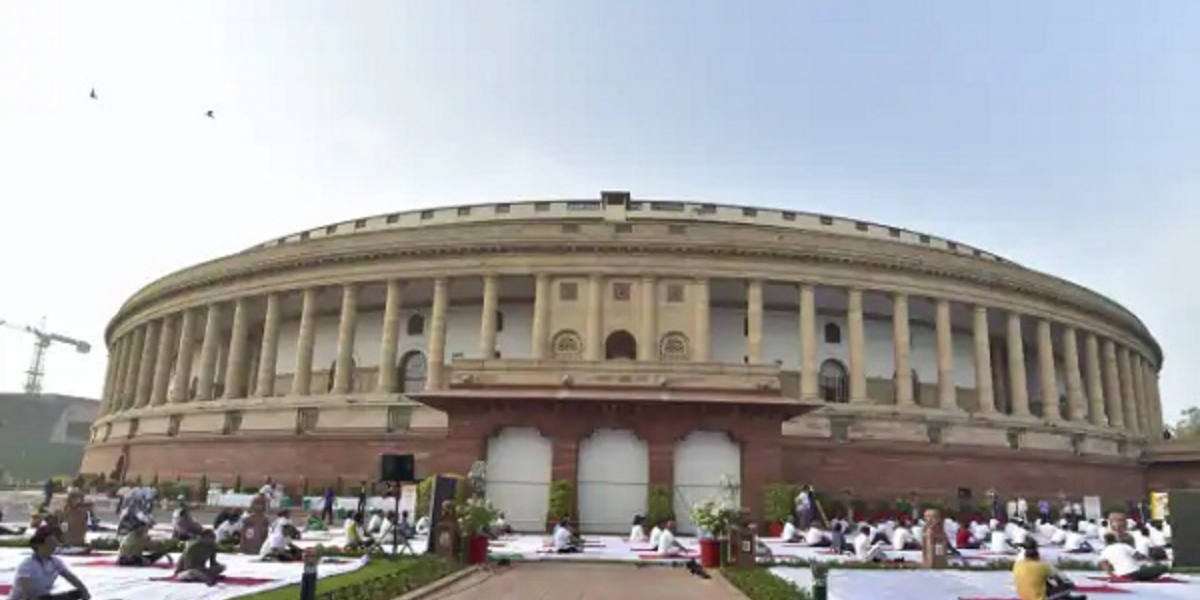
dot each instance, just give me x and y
(1092, 510)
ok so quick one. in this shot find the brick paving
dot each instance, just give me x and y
(568, 580)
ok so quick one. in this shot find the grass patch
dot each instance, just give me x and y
(381, 579)
(761, 584)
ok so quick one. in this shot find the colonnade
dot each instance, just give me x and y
(151, 364)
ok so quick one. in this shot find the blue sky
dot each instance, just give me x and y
(1064, 135)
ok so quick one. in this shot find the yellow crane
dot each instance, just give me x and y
(43, 340)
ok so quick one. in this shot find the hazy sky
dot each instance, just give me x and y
(1064, 135)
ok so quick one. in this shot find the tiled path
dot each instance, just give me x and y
(586, 581)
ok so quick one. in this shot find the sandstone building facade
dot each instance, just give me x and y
(621, 344)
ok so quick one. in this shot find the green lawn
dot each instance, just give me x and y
(401, 575)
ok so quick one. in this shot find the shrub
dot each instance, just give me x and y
(660, 509)
(778, 500)
(561, 492)
(761, 584)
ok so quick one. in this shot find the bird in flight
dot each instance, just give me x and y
(210, 115)
(93, 94)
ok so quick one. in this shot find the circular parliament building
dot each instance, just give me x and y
(622, 344)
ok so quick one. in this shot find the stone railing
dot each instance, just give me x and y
(613, 374)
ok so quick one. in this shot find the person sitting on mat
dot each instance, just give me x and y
(637, 534)
(198, 562)
(37, 574)
(138, 550)
(1119, 559)
(964, 539)
(7, 531)
(183, 526)
(279, 546)
(1036, 580)
(564, 539)
(837, 538)
(816, 537)
(903, 539)
(866, 551)
(500, 527)
(356, 539)
(1074, 542)
(655, 532)
(667, 544)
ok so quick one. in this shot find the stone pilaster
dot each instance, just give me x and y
(132, 368)
(268, 352)
(110, 378)
(648, 347)
(1047, 376)
(181, 388)
(754, 321)
(901, 348)
(121, 351)
(985, 393)
(1112, 386)
(437, 335)
(857, 346)
(1018, 386)
(700, 350)
(390, 338)
(487, 317)
(305, 339)
(541, 316)
(145, 377)
(1075, 401)
(1139, 393)
(1095, 379)
(809, 389)
(343, 376)
(236, 362)
(947, 392)
(1129, 399)
(593, 342)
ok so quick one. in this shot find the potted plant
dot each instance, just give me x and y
(713, 518)
(561, 496)
(778, 505)
(475, 516)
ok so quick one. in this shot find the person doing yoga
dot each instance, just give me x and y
(37, 574)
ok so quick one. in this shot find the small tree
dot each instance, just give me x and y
(778, 502)
(561, 492)
(659, 507)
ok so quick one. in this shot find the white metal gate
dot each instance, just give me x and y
(702, 459)
(614, 479)
(518, 477)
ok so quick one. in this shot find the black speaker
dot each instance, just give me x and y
(1185, 527)
(397, 468)
(443, 489)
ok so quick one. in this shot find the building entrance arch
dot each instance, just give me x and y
(620, 344)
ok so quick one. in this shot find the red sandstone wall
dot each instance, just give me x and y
(1174, 475)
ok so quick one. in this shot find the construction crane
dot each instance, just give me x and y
(33, 377)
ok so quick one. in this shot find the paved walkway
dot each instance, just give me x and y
(566, 580)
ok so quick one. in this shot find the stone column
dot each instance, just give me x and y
(268, 352)
(208, 353)
(305, 339)
(1156, 402)
(487, 318)
(1112, 386)
(648, 347)
(901, 347)
(121, 351)
(1139, 393)
(700, 345)
(858, 343)
(437, 335)
(985, 394)
(145, 378)
(593, 344)
(132, 368)
(110, 378)
(541, 316)
(1048, 377)
(391, 336)
(1095, 380)
(1017, 382)
(754, 321)
(1075, 402)
(183, 357)
(343, 376)
(168, 340)
(1129, 400)
(947, 390)
(809, 389)
(235, 365)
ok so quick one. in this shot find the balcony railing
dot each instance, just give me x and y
(614, 374)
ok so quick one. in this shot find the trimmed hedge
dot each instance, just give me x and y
(761, 584)
(381, 579)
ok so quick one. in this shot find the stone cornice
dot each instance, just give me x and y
(340, 258)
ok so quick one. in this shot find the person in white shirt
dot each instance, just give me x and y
(423, 526)
(36, 574)
(278, 546)
(356, 538)
(229, 531)
(1074, 542)
(655, 533)
(864, 550)
(667, 544)
(998, 543)
(902, 539)
(1023, 509)
(1156, 537)
(375, 523)
(790, 533)
(564, 539)
(637, 534)
(1120, 560)
(816, 538)
(1017, 535)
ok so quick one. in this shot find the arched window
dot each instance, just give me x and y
(566, 345)
(833, 333)
(674, 347)
(832, 381)
(413, 369)
(620, 344)
(499, 321)
(416, 325)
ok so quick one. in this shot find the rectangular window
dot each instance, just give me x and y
(173, 425)
(399, 418)
(623, 228)
(675, 292)
(570, 228)
(360, 224)
(393, 219)
(827, 220)
(676, 229)
(332, 229)
(502, 209)
(568, 291)
(749, 212)
(464, 211)
(541, 207)
(620, 291)
(426, 215)
(306, 420)
(861, 226)
(789, 216)
(233, 422)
